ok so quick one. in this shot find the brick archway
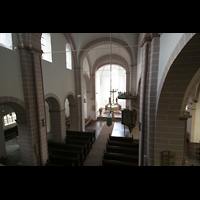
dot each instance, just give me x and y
(57, 117)
(26, 152)
(17, 105)
(116, 59)
(73, 110)
(102, 41)
(180, 70)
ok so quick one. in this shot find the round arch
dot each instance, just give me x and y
(56, 116)
(170, 125)
(19, 108)
(116, 59)
(72, 109)
(53, 101)
(102, 41)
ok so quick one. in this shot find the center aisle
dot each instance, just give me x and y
(94, 158)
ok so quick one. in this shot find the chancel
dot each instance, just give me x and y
(62, 98)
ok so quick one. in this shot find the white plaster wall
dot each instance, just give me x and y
(86, 66)
(56, 77)
(197, 124)
(10, 71)
(168, 42)
(139, 60)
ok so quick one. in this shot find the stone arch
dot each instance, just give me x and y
(197, 92)
(53, 101)
(57, 117)
(17, 105)
(116, 59)
(102, 41)
(73, 110)
(182, 42)
(89, 63)
(19, 108)
(87, 80)
(71, 97)
(179, 72)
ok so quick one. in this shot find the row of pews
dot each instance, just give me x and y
(121, 151)
(74, 151)
(10, 133)
(87, 121)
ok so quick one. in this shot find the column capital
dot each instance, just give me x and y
(134, 64)
(30, 48)
(148, 38)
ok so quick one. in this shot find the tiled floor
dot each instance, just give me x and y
(13, 152)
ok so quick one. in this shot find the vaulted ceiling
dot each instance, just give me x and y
(99, 46)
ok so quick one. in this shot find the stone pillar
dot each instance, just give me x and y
(128, 102)
(93, 97)
(34, 132)
(78, 74)
(133, 84)
(151, 97)
(58, 125)
(142, 137)
(150, 54)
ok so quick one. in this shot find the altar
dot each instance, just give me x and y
(114, 107)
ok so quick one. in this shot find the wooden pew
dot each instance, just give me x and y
(91, 134)
(121, 157)
(64, 160)
(121, 150)
(80, 143)
(67, 147)
(121, 139)
(123, 144)
(117, 163)
(68, 153)
(10, 133)
(80, 138)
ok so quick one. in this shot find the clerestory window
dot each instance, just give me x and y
(68, 56)
(6, 40)
(46, 47)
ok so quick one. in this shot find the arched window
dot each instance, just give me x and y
(6, 40)
(9, 118)
(68, 56)
(46, 46)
